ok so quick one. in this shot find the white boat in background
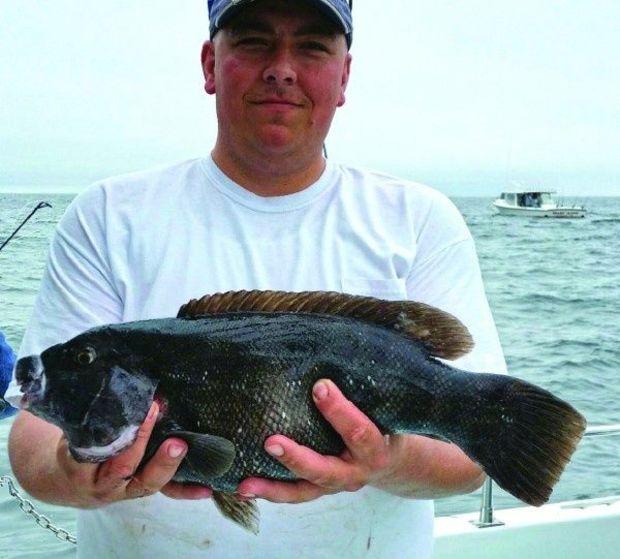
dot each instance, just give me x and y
(535, 203)
(582, 529)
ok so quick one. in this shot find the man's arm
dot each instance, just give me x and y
(79, 291)
(43, 465)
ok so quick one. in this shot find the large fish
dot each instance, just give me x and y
(235, 368)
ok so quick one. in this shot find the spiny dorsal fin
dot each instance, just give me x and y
(443, 334)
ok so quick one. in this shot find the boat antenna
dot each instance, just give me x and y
(38, 207)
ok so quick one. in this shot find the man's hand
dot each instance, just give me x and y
(368, 456)
(117, 479)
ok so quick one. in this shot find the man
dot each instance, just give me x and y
(264, 211)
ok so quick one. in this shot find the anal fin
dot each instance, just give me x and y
(244, 513)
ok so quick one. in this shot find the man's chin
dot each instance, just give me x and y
(281, 139)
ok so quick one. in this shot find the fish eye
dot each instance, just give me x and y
(86, 356)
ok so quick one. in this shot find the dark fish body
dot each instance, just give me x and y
(259, 369)
(227, 380)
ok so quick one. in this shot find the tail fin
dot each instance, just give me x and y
(524, 438)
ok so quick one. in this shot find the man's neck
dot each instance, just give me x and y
(275, 176)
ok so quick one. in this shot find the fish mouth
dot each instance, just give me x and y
(105, 452)
(29, 385)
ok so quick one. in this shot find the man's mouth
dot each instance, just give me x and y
(276, 102)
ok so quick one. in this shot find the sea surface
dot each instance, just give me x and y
(553, 285)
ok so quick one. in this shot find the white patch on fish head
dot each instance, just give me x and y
(102, 453)
(29, 382)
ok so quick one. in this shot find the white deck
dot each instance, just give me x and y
(587, 529)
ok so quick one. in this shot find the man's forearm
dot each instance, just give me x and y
(426, 468)
(33, 447)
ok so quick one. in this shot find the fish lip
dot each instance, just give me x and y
(33, 391)
(26, 401)
(97, 454)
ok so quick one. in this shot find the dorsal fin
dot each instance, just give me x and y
(443, 334)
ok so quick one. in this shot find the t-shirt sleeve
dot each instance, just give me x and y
(77, 290)
(446, 274)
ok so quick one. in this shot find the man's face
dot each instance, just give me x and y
(279, 74)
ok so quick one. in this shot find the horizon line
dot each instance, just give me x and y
(559, 195)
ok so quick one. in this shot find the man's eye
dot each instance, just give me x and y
(252, 41)
(314, 46)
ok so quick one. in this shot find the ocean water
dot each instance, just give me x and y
(554, 289)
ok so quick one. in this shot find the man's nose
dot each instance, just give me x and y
(280, 70)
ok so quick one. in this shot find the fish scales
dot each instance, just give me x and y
(265, 381)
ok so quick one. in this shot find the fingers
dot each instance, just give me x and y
(360, 435)
(281, 491)
(159, 470)
(365, 459)
(114, 472)
(175, 490)
(329, 472)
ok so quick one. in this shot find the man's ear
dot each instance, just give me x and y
(207, 58)
(346, 71)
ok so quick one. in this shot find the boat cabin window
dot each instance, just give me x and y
(545, 198)
(510, 198)
(530, 199)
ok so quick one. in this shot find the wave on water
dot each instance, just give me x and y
(614, 220)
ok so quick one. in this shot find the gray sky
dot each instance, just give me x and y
(463, 95)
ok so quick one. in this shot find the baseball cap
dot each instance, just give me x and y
(339, 11)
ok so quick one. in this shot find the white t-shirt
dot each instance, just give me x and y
(141, 245)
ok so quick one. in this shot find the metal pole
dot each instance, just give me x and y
(487, 517)
(599, 430)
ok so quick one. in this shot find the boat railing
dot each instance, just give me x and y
(487, 518)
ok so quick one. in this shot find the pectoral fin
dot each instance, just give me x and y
(207, 454)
